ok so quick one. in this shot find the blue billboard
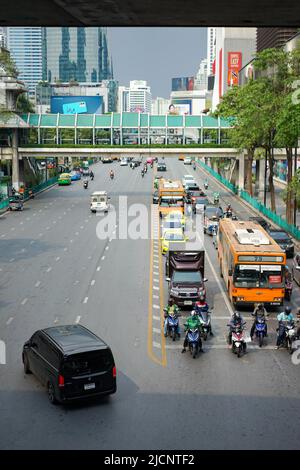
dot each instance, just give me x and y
(76, 104)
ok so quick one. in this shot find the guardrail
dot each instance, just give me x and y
(3, 204)
(216, 175)
(259, 206)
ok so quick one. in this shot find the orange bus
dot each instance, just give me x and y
(171, 196)
(251, 263)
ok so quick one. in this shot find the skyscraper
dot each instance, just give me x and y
(200, 82)
(211, 38)
(25, 46)
(273, 37)
(79, 54)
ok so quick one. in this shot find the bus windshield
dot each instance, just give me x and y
(268, 276)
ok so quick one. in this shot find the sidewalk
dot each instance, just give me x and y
(280, 204)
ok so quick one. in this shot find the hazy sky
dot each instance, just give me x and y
(156, 55)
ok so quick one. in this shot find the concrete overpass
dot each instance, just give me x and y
(149, 13)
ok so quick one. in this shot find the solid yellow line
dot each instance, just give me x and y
(150, 304)
(161, 298)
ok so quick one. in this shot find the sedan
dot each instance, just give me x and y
(75, 175)
(187, 161)
(283, 239)
(161, 166)
(192, 186)
(169, 236)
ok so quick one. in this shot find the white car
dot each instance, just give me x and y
(188, 179)
(124, 162)
(187, 161)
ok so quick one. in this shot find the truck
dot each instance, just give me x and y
(185, 273)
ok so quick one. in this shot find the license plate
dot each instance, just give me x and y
(188, 302)
(89, 386)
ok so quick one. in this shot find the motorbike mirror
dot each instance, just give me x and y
(168, 279)
(205, 279)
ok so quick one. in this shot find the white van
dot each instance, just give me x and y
(99, 201)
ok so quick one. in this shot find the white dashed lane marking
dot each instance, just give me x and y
(37, 284)
(24, 301)
(48, 270)
(85, 300)
(58, 258)
(93, 282)
(103, 257)
(9, 320)
(99, 267)
(78, 319)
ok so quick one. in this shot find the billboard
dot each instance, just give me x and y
(76, 104)
(234, 65)
(180, 107)
(183, 84)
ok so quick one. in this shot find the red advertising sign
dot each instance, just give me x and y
(234, 65)
(275, 279)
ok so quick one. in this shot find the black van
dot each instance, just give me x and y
(71, 361)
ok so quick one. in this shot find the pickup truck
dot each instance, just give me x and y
(185, 273)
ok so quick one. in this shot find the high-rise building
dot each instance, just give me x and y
(25, 46)
(79, 54)
(136, 98)
(160, 105)
(200, 82)
(3, 34)
(211, 39)
(235, 47)
(273, 37)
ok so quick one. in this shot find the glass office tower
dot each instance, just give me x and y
(25, 46)
(79, 54)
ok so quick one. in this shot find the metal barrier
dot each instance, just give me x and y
(39, 187)
(3, 204)
(216, 175)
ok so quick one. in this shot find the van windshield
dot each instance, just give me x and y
(88, 363)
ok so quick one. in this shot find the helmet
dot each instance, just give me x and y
(260, 306)
(236, 315)
(202, 298)
(193, 313)
(171, 302)
(287, 310)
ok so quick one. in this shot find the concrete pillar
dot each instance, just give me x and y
(15, 160)
(241, 175)
(260, 175)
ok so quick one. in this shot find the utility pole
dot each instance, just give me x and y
(295, 199)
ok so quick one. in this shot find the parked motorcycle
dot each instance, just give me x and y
(238, 343)
(260, 330)
(172, 325)
(193, 341)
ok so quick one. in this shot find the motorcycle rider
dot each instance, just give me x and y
(206, 183)
(85, 183)
(202, 306)
(192, 322)
(235, 321)
(91, 175)
(259, 312)
(171, 309)
(111, 174)
(142, 172)
(194, 166)
(285, 316)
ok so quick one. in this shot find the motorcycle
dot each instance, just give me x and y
(216, 198)
(205, 185)
(288, 289)
(111, 176)
(172, 325)
(205, 320)
(193, 341)
(85, 184)
(194, 167)
(228, 214)
(238, 342)
(260, 330)
(142, 173)
(92, 177)
(289, 335)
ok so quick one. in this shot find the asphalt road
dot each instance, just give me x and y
(55, 270)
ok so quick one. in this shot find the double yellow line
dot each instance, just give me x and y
(163, 359)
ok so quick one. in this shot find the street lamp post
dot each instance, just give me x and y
(265, 185)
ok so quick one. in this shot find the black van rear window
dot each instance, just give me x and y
(88, 363)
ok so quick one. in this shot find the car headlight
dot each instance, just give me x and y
(174, 291)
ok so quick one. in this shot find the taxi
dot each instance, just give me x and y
(64, 179)
(172, 235)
